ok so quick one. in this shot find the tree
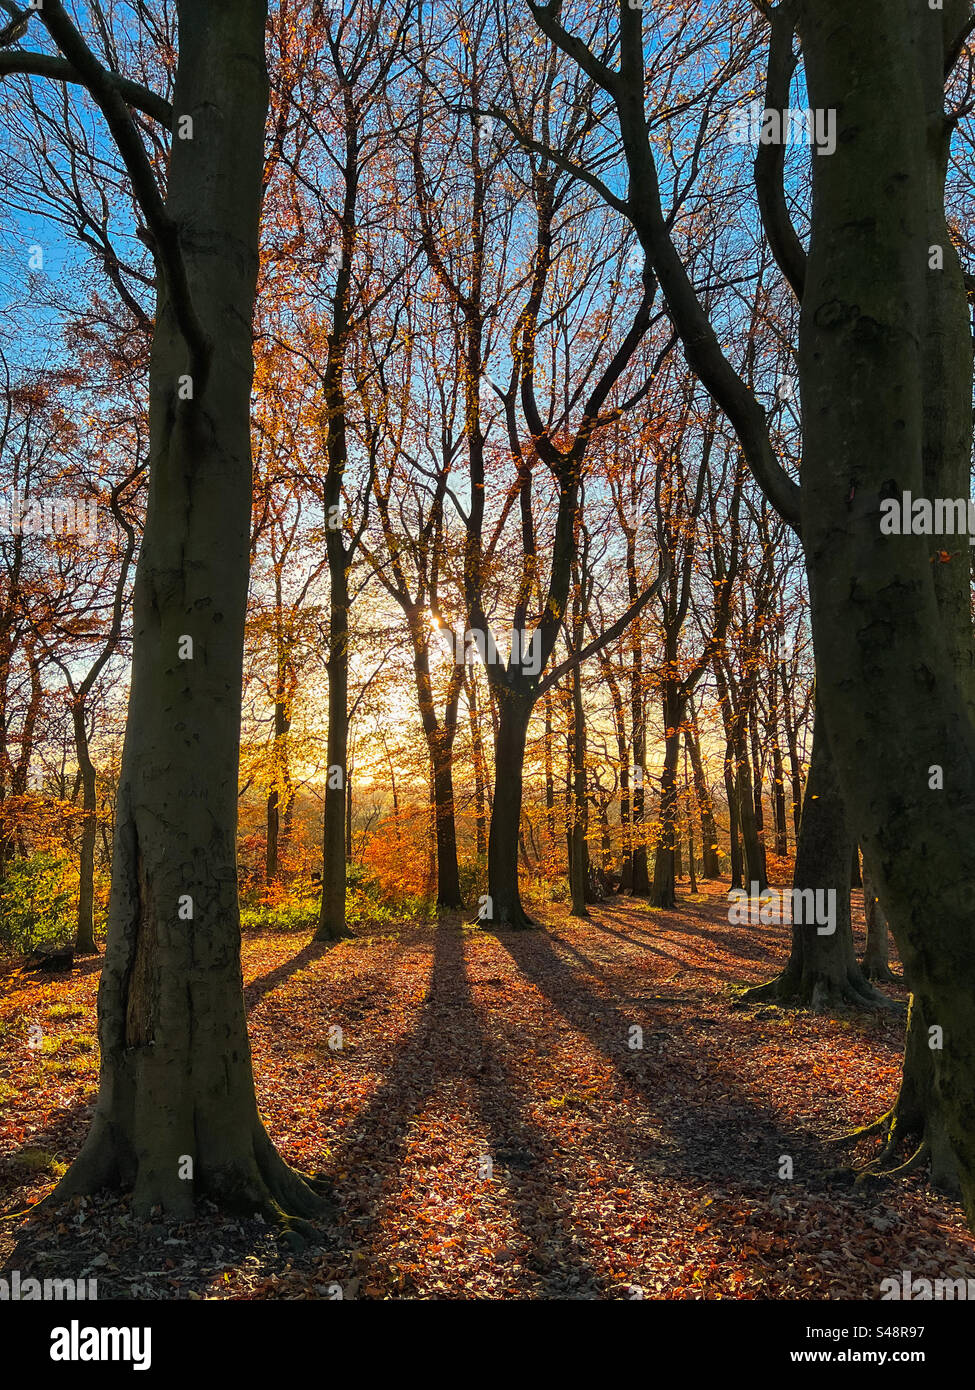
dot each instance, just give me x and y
(176, 1113)
(885, 363)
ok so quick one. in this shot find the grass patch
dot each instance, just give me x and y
(58, 1012)
(34, 1162)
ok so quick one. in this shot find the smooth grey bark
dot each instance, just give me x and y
(892, 652)
(176, 1115)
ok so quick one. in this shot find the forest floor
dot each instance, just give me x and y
(490, 1132)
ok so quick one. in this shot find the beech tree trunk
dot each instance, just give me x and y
(822, 971)
(477, 750)
(885, 369)
(440, 735)
(778, 800)
(579, 806)
(85, 940)
(505, 909)
(734, 849)
(876, 955)
(639, 868)
(176, 1115)
(331, 921)
(664, 890)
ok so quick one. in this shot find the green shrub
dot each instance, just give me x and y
(473, 877)
(36, 903)
(365, 905)
(294, 914)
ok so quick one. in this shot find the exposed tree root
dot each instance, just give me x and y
(259, 1183)
(853, 1136)
(918, 1139)
(880, 971)
(333, 934)
(818, 992)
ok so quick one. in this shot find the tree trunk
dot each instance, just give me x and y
(710, 864)
(734, 849)
(756, 765)
(778, 800)
(885, 371)
(579, 814)
(504, 907)
(822, 971)
(876, 955)
(664, 891)
(549, 769)
(176, 1115)
(331, 921)
(640, 881)
(792, 743)
(348, 813)
(477, 750)
(914, 1124)
(85, 940)
(619, 725)
(271, 850)
(745, 797)
(448, 873)
(691, 869)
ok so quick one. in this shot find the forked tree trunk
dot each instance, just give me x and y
(176, 1116)
(440, 736)
(856, 878)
